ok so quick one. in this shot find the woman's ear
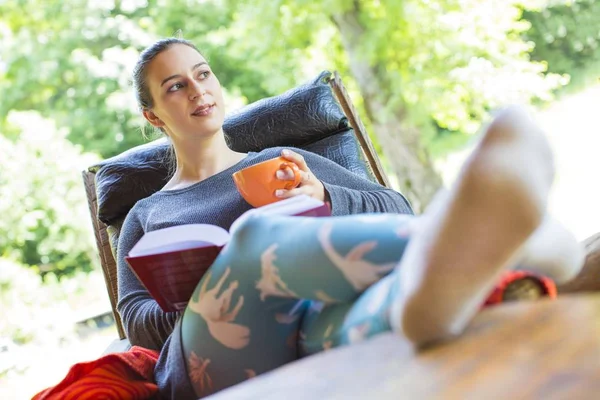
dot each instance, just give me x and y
(153, 119)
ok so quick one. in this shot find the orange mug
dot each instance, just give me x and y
(257, 183)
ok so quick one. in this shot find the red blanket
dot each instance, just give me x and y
(497, 296)
(128, 375)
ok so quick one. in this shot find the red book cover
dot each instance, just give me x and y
(171, 261)
(172, 277)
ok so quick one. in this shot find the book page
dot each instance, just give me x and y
(297, 205)
(181, 237)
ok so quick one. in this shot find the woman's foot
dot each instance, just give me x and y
(553, 251)
(474, 231)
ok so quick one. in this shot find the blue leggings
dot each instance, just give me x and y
(285, 287)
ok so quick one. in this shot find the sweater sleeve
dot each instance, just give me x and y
(145, 323)
(352, 194)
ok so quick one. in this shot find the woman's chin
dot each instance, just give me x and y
(209, 122)
(205, 129)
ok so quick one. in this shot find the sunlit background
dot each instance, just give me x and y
(424, 73)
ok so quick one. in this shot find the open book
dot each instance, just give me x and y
(171, 261)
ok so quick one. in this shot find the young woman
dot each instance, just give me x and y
(288, 286)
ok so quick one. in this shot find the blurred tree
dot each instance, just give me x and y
(427, 71)
(44, 219)
(72, 61)
(68, 60)
(566, 34)
(417, 64)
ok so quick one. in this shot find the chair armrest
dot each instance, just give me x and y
(588, 279)
(117, 346)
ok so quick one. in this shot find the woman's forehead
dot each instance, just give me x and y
(177, 59)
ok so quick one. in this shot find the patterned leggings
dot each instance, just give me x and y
(285, 287)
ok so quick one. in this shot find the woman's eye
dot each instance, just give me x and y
(204, 74)
(175, 87)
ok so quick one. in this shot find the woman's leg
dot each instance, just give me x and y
(244, 316)
(490, 220)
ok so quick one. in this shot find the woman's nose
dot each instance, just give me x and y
(196, 90)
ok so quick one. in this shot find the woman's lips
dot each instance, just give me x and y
(202, 111)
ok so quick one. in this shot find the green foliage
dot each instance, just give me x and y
(44, 220)
(444, 60)
(45, 312)
(65, 60)
(71, 61)
(444, 63)
(567, 37)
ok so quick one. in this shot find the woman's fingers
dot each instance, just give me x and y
(285, 194)
(316, 190)
(309, 184)
(288, 174)
(295, 158)
(285, 174)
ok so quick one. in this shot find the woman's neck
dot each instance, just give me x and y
(198, 160)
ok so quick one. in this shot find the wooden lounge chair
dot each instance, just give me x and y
(338, 134)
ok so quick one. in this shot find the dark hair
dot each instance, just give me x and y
(142, 92)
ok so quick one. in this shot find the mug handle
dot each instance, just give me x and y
(297, 175)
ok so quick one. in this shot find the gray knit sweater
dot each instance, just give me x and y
(216, 201)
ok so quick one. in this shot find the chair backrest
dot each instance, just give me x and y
(107, 259)
(106, 220)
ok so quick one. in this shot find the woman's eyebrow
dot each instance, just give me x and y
(178, 76)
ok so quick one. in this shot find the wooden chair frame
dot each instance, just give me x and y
(107, 260)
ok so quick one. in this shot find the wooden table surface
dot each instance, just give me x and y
(529, 350)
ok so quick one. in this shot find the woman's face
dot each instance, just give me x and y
(187, 96)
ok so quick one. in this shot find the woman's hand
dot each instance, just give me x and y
(309, 184)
